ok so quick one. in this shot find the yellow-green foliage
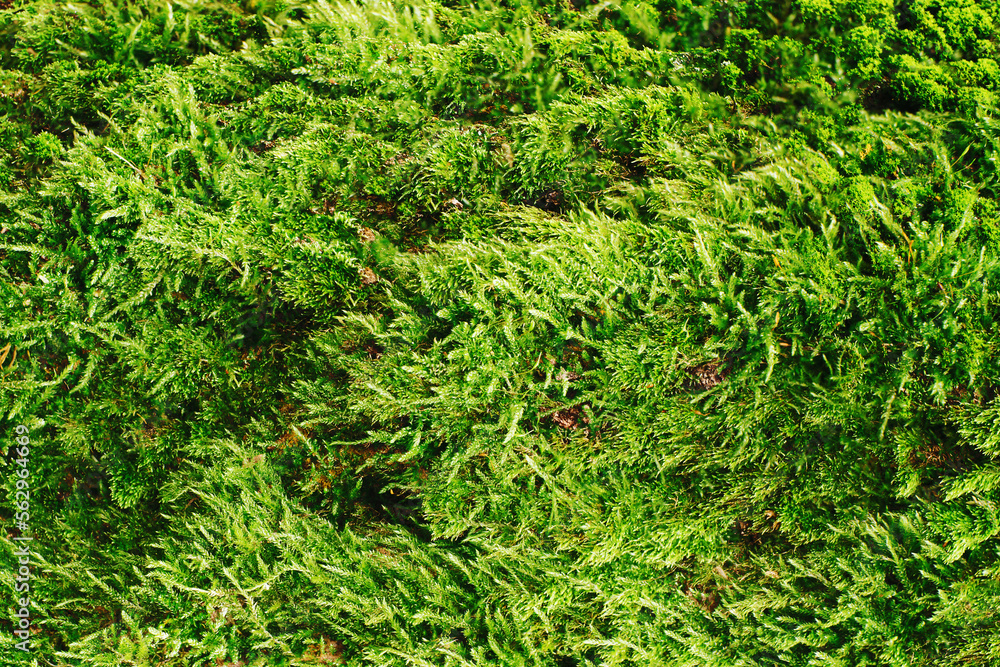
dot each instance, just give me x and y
(554, 333)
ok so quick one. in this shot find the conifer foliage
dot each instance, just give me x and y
(521, 333)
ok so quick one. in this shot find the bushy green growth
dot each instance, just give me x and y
(548, 333)
(138, 33)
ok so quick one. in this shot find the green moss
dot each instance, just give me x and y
(330, 321)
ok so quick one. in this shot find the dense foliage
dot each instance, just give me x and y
(532, 333)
